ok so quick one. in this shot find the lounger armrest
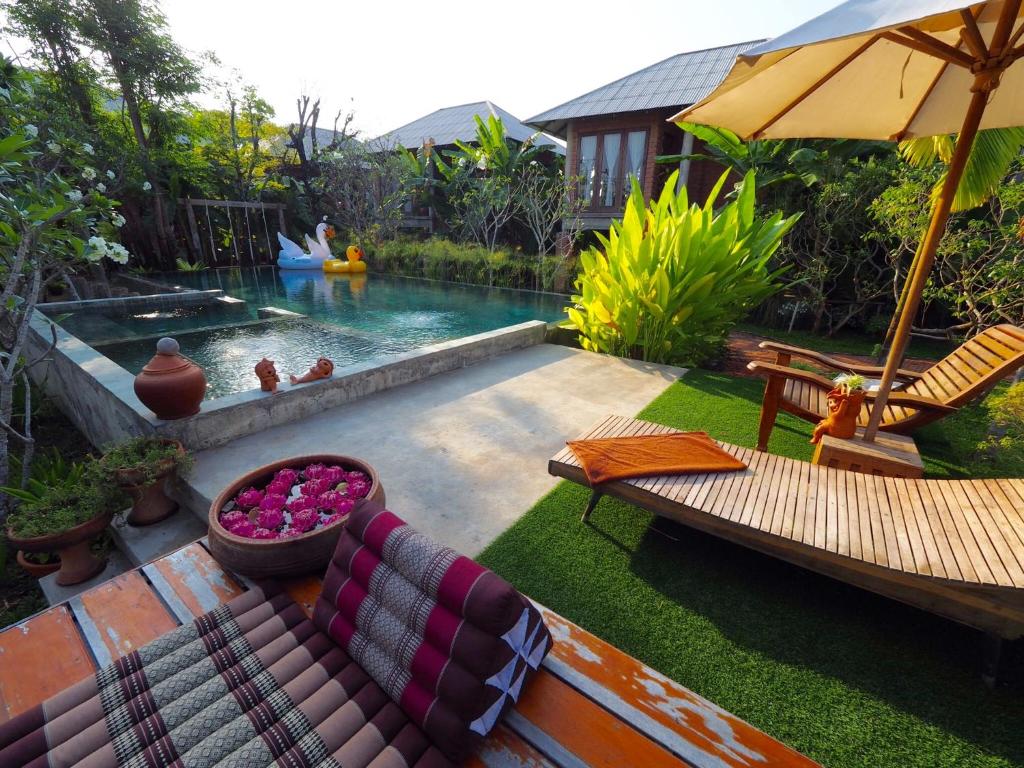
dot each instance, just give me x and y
(837, 365)
(773, 369)
(908, 400)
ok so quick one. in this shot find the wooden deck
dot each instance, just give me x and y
(952, 547)
(590, 704)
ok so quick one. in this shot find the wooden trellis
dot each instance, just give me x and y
(204, 243)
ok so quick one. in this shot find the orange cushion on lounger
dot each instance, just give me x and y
(619, 458)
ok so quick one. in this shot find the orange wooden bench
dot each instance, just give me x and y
(589, 705)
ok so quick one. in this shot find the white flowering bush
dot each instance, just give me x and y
(54, 218)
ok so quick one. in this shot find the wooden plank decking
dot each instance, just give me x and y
(590, 704)
(953, 547)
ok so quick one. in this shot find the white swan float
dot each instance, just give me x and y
(292, 256)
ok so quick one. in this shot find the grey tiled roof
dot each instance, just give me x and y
(679, 80)
(449, 124)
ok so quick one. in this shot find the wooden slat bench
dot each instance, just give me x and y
(589, 705)
(951, 547)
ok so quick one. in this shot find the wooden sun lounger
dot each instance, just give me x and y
(951, 547)
(589, 705)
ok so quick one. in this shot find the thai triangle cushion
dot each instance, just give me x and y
(448, 640)
(251, 683)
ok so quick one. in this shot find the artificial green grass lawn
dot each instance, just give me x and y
(844, 676)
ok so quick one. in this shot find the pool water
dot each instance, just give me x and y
(348, 318)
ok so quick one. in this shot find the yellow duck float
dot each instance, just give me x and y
(355, 263)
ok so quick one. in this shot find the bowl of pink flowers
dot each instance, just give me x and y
(285, 518)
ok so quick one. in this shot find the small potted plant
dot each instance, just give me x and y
(142, 467)
(845, 401)
(65, 519)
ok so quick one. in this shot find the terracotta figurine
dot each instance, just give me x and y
(321, 370)
(267, 374)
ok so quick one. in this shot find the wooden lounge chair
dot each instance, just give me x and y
(966, 374)
(951, 547)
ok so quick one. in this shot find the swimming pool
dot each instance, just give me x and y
(348, 318)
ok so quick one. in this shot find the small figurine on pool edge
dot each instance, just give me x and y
(322, 369)
(267, 374)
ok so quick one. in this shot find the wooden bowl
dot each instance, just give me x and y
(274, 558)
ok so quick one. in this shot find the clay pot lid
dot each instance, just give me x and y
(167, 359)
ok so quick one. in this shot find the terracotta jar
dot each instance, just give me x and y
(844, 406)
(171, 385)
(77, 563)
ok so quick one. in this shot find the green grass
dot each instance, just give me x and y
(847, 677)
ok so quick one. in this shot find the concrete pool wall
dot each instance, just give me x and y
(98, 395)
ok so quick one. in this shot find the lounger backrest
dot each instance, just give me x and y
(449, 641)
(973, 367)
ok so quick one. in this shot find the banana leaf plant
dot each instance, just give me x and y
(672, 278)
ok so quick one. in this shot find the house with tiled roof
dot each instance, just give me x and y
(443, 127)
(616, 131)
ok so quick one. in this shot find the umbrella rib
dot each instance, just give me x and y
(972, 35)
(927, 44)
(817, 84)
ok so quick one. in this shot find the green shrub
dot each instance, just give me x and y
(62, 507)
(440, 259)
(144, 457)
(1006, 410)
(671, 279)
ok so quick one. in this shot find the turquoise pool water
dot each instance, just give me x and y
(349, 319)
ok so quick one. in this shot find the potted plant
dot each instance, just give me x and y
(65, 519)
(49, 470)
(142, 467)
(845, 401)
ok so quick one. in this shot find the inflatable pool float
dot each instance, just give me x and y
(292, 256)
(354, 265)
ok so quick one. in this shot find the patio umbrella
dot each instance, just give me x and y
(877, 69)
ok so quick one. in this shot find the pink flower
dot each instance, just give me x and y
(336, 501)
(290, 533)
(272, 502)
(334, 475)
(249, 498)
(315, 487)
(302, 504)
(263, 533)
(305, 520)
(355, 475)
(270, 518)
(288, 476)
(245, 529)
(280, 487)
(230, 519)
(357, 489)
(334, 519)
(313, 471)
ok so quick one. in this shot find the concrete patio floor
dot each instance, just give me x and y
(461, 455)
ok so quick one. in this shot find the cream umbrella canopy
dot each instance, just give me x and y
(883, 69)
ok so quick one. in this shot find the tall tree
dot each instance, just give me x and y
(150, 72)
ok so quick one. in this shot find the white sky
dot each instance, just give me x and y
(392, 62)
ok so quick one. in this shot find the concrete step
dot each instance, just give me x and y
(141, 544)
(117, 564)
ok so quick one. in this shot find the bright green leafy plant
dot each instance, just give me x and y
(671, 279)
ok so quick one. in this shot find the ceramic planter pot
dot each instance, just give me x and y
(77, 563)
(170, 384)
(150, 502)
(274, 558)
(37, 570)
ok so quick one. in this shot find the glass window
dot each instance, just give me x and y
(609, 168)
(636, 145)
(606, 162)
(588, 159)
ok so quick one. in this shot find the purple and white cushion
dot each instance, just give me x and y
(448, 640)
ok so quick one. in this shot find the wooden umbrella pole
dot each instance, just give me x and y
(926, 256)
(986, 80)
(900, 303)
